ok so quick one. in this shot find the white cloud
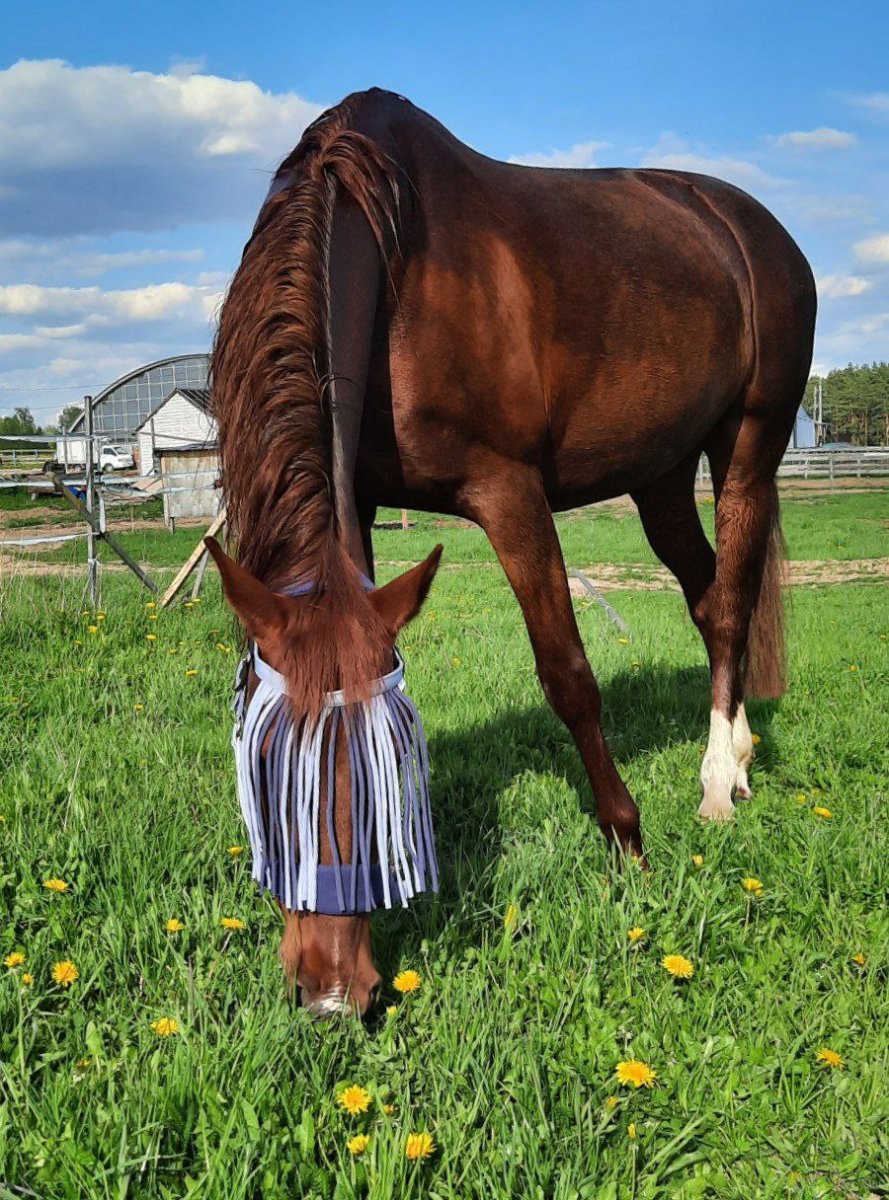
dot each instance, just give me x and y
(86, 149)
(841, 287)
(156, 302)
(823, 138)
(672, 153)
(582, 154)
(873, 251)
(876, 102)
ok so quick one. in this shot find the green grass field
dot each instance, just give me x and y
(116, 776)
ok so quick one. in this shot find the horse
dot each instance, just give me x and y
(417, 325)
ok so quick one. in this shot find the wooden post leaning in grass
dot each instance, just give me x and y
(95, 526)
(197, 555)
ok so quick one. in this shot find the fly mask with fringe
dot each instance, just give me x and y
(393, 853)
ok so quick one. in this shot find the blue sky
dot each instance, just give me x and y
(136, 142)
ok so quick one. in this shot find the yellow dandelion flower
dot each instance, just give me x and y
(455, 661)
(755, 738)
(150, 604)
(65, 973)
(859, 959)
(511, 917)
(190, 673)
(753, 885)
(802, 798)
(151, 637)
(419, 1145)
(165, 1027)
(354, 1099)
(13, 960)
(358, 1144)
(138, 708)
(78, 642)
(392, 1011)
(388, 1109)
(196, 600)
(853, 667)
(824, 813)
(406, 981)
(829, 1058)
(636, 934)
(2, 818)
(92, 629)
(234, 851)
(173, 651)
(623, 641)
(174, 925)
(634, 1073)
(697, 860)
(152, 616)
(55, 885)
(100, 616)
(27, 979)
(611, 1102)
(678, 965)
(83, 1063)
(232, 923)
(631, 1131)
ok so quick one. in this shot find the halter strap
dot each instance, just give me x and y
(278, 683)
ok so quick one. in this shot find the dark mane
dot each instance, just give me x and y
(270, 371)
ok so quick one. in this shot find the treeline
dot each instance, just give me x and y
(856, 404)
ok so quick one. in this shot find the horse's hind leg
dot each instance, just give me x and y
(673, 527)
(510, 505)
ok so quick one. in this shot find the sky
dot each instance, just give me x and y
(137, 142)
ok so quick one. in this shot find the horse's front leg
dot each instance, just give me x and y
(510, 504)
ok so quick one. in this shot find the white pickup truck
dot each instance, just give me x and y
(71, 456)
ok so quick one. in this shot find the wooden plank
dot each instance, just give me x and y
(95, 525)
(192, 561)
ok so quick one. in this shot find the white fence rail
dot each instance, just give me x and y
(858, 462)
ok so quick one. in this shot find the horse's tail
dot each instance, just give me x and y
(766, 661)
(271, 374)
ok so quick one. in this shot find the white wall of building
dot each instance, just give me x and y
(177, 422)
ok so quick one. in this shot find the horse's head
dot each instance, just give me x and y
(327, 956)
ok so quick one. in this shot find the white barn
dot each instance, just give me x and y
(183, 419)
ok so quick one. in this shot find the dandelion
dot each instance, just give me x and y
(188, 604)
(623, 641)
(165, 1027)
(419, 1145)
(755, 738)
(406, 981)
(455, 661)
(234, 851)
(92, 629)
(2, 818)
(388, 1109)
(631, 1131)
(138, 708)
(55, 885)
(174, 925)
(358, 1144)
(83, 1063)
(510, 918)
(13, 960)
(392, 1011)
(633, 1073)
(232, 923)
(752, 885)
(190, 673)
(354, 1099)
(611, 1102)
(151, 637)
(853, 667)
(27, 979)
(802, 798)
(678, 966)
(150, 604)
(100, 616)
(829, 1058)
(636, 934)
(697, 860)
(152, 616)
(65, 973)
(824, 813)
(859, 959)
(78, 642)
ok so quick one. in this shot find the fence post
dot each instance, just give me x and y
(92, 562)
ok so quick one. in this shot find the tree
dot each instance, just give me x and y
(856, 403)
(21, 422)
(68, 416)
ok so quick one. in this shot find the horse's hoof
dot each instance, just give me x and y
(716, 806)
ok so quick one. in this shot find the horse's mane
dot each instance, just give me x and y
(270, 377)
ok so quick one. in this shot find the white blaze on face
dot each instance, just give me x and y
(719, 770)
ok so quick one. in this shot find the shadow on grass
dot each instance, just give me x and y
(644, 711)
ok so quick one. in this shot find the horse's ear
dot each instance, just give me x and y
(399, 601)
(262, 611)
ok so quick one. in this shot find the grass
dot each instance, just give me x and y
(508, 1051)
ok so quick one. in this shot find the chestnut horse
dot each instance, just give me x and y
(414, 324)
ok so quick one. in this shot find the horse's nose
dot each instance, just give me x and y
(326, 1008)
